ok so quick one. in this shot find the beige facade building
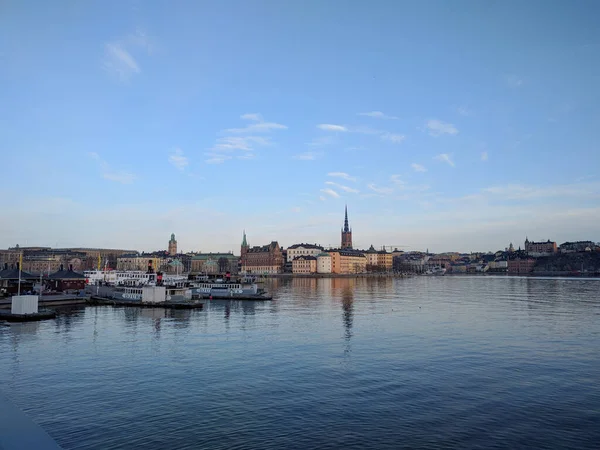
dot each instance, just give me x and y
(304, 265)
(347, 261)
(214, 263)
(324, 262)
(296, 250)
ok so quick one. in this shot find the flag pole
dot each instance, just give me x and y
(20, 268)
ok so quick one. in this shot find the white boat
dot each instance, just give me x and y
(243, 288)
(437, 270)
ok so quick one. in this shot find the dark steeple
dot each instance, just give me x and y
(346, 232)
(346, 228)
(244, 242)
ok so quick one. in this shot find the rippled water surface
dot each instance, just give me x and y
(425, 362)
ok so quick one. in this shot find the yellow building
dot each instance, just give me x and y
(379, 261)
(304, 264)
(347, 261)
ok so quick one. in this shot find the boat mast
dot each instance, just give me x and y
(20, 268)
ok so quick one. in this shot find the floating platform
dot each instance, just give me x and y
(51, 300)
(95, 300)
(42, 314)
(259, 297)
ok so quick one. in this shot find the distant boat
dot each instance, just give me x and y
(437, 270)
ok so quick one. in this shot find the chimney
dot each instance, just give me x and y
(150, 266)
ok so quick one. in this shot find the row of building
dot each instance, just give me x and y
(298, 258)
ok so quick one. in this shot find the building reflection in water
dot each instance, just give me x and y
(345, 287)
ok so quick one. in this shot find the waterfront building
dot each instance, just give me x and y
(536, 249)
(578, 246)
(346, 233)
(172, 249)
(66, 280)
(215, 263)
(293, 251)
(304, 264)
(266, 259)
(521, 266)
(324, 262)
(346, 261)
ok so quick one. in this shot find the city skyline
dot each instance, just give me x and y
(454, 127)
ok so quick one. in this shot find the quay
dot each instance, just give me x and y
(52, 300)
(96, 301)
(17, 431)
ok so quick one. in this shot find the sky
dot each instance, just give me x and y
(448, 126)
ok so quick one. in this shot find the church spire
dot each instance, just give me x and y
(244, 243)
(346, 228)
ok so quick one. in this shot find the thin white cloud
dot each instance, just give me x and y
(380, 190)
(394, 138)
(322, 141)
(342, 187)
(514, 81)
(330, 192)
(252, 116)
(330, 127)
(231, 143)
(418, 167)
(522, 192)
(445, 157)
(378, 115)
(322, 198)
(259, 127)
(119, 177)
(108, 173)
(437, 128)
(178, 159)
(484, 156)
(463, 111)
(118, 61)
(396, 179)
(216, 158)
(306, 156)
(343, 175)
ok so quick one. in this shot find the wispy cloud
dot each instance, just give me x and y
(231, 143)
(110, 174)
(484, 156)
(118, 59)
(380, 190)
(342, 187)
(343, 175)
(216, 158)
(252, 116)
(514, 81)
(322, 198)
(330, 192)
(331, 127)
(463, 111)
(418, 167)
(445, 157)
(306, 156)
(178, 159)
(521, 191)
(322, 141)
(378, 115)
(258, 127)
(437, 128)
(247, 143)
(394, 138)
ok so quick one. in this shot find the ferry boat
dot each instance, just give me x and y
(437, 270)
(244, 288)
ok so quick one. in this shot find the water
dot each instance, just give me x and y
(426, 362)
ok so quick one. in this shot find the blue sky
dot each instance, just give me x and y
(444, 125)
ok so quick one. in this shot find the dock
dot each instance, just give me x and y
(96, 301)
(52, 300)
(17, 431)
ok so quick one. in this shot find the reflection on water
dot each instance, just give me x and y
(329, 363)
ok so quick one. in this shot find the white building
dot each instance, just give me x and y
(323, 263)
(303, 250)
